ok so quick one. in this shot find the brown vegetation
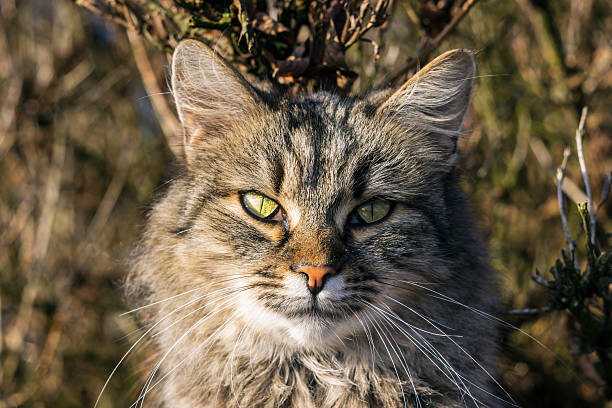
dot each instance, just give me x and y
(82, 152)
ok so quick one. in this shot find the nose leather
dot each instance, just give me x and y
(316, 276)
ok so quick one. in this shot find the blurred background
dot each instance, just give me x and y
(82, 154)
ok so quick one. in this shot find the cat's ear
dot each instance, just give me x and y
(435, 100)
(210, 95)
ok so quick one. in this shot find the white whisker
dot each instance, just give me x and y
(399, 381)
(140, 339)
(210, 339)
(429, 348)
(458, 346)
(187, 332)
(403, 362)
(232, 291)
(231, 362)
(410, 338)
(479, 312)
(368, 336)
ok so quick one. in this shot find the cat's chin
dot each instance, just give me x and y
(305, 331)
(312, 334)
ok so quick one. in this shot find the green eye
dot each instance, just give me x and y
(374, 210)
(259, 205)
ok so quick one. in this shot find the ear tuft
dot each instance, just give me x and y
(210, 95)
(435, 100)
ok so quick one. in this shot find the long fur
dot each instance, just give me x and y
(231, 322)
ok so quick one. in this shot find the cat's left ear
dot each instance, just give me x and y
(435, 100)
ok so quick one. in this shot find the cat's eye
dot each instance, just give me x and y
(371, 211)
(259, 205)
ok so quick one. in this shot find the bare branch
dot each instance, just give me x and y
(560, 176)
(167, 120)
(528, 311)
(544, 158)
(583, 169)
(428, 45)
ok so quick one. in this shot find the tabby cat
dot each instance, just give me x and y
(316, 250)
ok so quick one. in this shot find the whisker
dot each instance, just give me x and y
(231, 293)
(368, 336)
(416, 344)
(457, 345)
(429, 348)
(187, 332)
(403, 362)
(145, 389)
(209, 338)
(144, 327)
(441, 296)
(399, 381)
(446, 298)
(436, 354)
(148, 96)
(163, 300)
(180, 294)
(138, 342)
(231, 363)
(413, 327)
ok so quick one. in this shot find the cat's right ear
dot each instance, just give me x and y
(209, 94)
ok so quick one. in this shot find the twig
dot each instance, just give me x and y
(247, 28)
(544, 158)
(539, 279)
(429, 44)
(12, 93)
(528, 311)
(47, 355)
(377, 18)
(111, 195)
(49, 205)
(560, 175)
(164, 22)
(110, 14)
(583, 169)
(167, 121)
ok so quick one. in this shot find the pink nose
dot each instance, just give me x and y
(316, 276)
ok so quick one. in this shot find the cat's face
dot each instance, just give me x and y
(311, 210)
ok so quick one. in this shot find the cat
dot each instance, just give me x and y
(316, 250)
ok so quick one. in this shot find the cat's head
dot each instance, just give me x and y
(310, 211)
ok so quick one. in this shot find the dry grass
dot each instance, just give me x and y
(81, 155)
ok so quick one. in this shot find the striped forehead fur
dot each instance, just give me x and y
(240, 325)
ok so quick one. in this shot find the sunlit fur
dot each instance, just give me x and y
(391, 328)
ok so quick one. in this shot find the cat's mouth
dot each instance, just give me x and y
(312, 308)
(316, 323)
